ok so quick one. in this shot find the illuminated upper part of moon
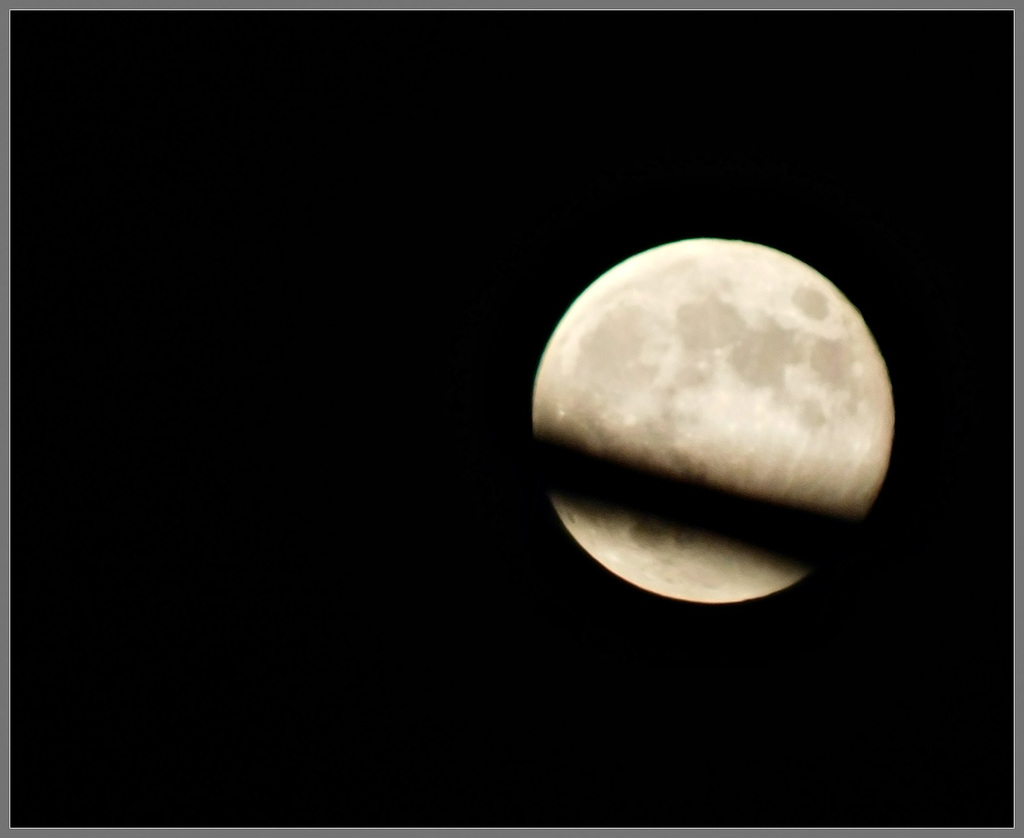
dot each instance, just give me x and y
(726, 364)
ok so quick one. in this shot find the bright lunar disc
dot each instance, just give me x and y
(725, 364)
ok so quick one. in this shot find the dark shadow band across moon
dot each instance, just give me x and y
(698, 543)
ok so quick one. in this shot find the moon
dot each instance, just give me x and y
(724, 364)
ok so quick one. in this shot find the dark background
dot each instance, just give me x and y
(282, 283)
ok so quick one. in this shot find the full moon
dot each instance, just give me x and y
(724, 364)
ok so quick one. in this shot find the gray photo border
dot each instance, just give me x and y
(409, 6)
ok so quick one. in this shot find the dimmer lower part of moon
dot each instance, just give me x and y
(672, 559)
(725, 364)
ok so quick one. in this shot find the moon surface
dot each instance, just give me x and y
(724, 364)
(673, 559)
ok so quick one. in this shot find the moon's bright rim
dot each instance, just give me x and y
(726, 364)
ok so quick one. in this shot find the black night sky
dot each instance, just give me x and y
(283, 282)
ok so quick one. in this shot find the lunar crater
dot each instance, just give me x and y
(831, 360)
(811, 302)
